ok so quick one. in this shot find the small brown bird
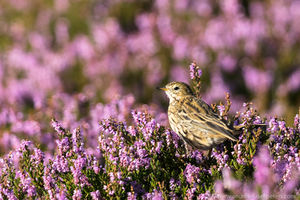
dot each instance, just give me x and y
(193, 119)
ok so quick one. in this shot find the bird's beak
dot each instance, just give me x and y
(164, 89)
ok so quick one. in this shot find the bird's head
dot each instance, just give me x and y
(177, 90)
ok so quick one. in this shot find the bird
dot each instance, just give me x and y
(193, 120)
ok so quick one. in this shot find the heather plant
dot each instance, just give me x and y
(104, 50)
(147, 160)
(93, 66)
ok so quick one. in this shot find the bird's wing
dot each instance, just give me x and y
(201, 116)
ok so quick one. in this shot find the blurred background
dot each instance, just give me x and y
(84, 60)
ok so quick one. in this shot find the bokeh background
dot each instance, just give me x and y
(84, 60)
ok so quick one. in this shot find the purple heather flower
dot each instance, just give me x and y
(290, 186)
(80, 162)
(9, 194)
(111, 177)
(273, 125)
(190, 192)
(279, 166)
(291, 169)
(139, 149)
(9, 141)
(158, 147)
(180, 48)
(172, 184)
(204, 196)
(229, 182)
(197, 155)
(155, 195)
(257, 80)
(77, 141)
(58, 128)
(125, 159)
(7, 116)
(26, 184)
(179, 73)
(250, 192)
(49, 182)
(199, 73)
(227, 62)
(137, 163)
(262, 163)
(131, 196)
(239, 153)
(111, 192)
(60, 164)
(79, 178)
(191, 174)
(221, 109)
(221, 159)
(61, 195)
(139, 118)
(77, 194)
(38, 156)
(282, 126)
(230, 7)
(63, 146)
(172, 137)
(117, 109)
(96, 167)
(83, 47)
(24, 146)
(257, 120)
(149, 128)
(142, 153)
(155, 72)
(247, 114)
(219, 188)
(29, 127)
(131, 130)
(69, 112)
(96, 195)
(293, 83)
(194, 71)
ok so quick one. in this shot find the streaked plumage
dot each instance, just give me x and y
(193, 119)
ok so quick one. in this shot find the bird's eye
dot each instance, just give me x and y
(176, 88)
